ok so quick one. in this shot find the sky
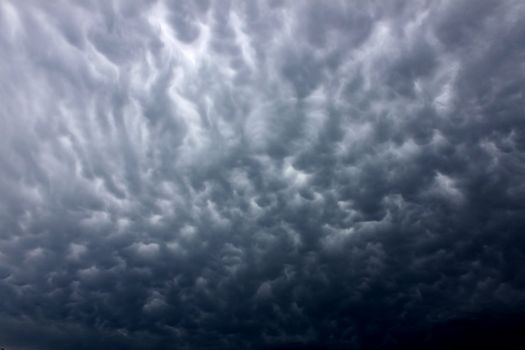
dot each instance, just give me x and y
(263, 174)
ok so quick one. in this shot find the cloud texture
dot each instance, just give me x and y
(259, 174)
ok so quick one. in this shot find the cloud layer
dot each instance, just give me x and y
(256, 174)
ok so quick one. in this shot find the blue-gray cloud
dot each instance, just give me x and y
(259, 174)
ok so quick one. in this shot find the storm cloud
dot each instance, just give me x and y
(261, 174)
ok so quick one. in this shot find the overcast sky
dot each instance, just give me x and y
(272, 174)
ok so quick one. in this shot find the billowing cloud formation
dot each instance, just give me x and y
(257, 174)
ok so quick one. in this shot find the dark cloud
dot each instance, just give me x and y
(262, 175)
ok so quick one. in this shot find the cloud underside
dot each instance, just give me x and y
(245, 174)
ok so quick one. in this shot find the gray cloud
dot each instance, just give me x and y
(208, 174)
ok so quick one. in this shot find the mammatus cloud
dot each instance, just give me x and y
(260, 174)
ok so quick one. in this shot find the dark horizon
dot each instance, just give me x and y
(262, 174)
